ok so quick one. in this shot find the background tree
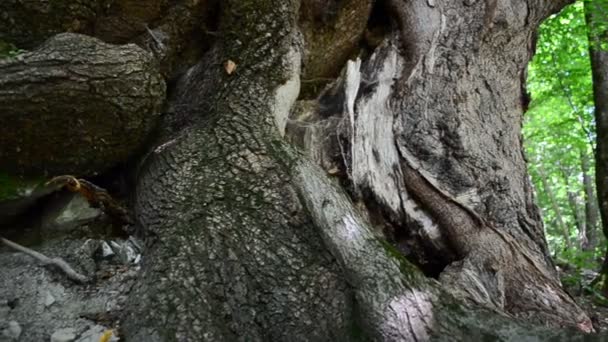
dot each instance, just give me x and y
(597, 21)
(560, 136)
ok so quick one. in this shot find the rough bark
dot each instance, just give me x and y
(76, 105)
(245, 262)
(176, 31)
(247, 240)
(596, 13)
(234, 253)
(414, 117)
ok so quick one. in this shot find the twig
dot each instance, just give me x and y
(58, 262)
(158, 42)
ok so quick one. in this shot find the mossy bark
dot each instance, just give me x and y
(248, 241)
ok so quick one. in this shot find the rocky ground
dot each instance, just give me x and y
(39, 303)
(577, 284)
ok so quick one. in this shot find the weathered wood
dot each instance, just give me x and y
(433, 125)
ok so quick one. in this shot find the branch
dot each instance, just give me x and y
(58, 262)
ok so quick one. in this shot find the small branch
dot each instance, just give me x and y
(58, 262)
(157, 40)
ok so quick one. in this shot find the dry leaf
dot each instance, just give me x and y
(229, 66)
(106, 336)
(333, 171)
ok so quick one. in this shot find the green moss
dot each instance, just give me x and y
(8, 49)
(12, 187)
(407, 269)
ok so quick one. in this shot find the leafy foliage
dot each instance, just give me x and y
(559, 130)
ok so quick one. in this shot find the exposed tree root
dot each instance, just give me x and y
(58, 262)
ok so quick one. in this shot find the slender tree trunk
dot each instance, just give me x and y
(591, 207)
(596, 13)
(575, 208)
(559, 218)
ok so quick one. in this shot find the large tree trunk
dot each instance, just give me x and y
(248, 239)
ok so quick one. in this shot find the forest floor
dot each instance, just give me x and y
(116, 276)
(594, 304)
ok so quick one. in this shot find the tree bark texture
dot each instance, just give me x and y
(176, 31)
(76, 105)
(597, 16)
(248, 240)
(235, 254)
(415, 115)
(596, 13)
(29, 23)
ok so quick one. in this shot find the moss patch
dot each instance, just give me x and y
(407, 268)
(8, 49)
(13, 187)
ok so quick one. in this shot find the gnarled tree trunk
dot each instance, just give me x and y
(250, 241)
(422, 225)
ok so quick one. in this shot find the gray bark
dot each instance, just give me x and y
(250, 242)
(76, 105)
(434, 140)
(245, 261)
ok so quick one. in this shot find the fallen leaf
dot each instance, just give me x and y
(229, 66)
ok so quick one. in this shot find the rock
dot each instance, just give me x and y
(48, 299)
(129, 251)
(67, 211)
(64, 335)
(24, 283)
(94, 334)
(76, 105)
(13, 331)
(106, 250)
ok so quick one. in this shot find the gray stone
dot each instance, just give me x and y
(13, 331)
(94, 334)
(67, 212)
(48, 299)
(64, 335)
(106, 250)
